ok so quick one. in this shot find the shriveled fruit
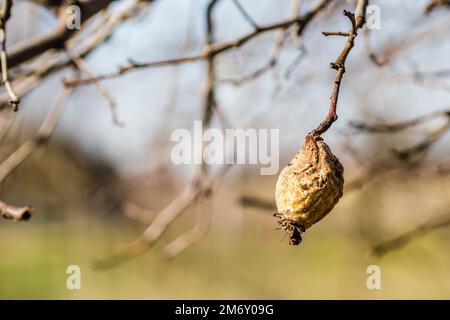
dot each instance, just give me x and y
(308, 187)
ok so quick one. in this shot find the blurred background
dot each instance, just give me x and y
(104, 175)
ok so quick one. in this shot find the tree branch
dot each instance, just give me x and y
(5, 14)
(405, 238)
(279, 41)
(15, 213)
(357, 21)
(419, 148)
(209, 51)
(53, 62)
(56, 38)
(201, 186)
(8, 165)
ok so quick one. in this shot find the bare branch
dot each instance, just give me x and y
(335, 33)
(164, 218)
(8, 165)
(399, 126)
(56, 38)
(245, 14)
(15, 213)
(280, 38)
(393, 47)
(82, 65)
(202, 184)
(357, 21)
(133, 65)
(421, 147)
(5, 13)
(368, 49)
(52, 62)
(134, 212)
(194, 235)
(255, 202)
(404, 239)
(212, 50)
(418, 149)
(434, 4)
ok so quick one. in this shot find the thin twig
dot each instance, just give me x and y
(208, 51)
(133, 65)
(393, 47)
(357, 21)
(368, 49)
(8, 165)
(82, 65)
(245, 14)
(280, 38)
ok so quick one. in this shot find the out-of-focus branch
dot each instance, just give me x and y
(162, 221)
(134, 212)
(49, 4)
(194, 235)
(210, 106)
(83, 66)
(429, 79)
(5, 13)
(418, 149)
(7, 119)
(398, 126)
(8, 165)
(250, 201)
(368, 49)
(434, 4)
(357, 20)
(424, 145)
(56, 38)
(394, 47)
(245, 14)
(18, 156)
(418, 75)
(258, 203)
(52, 62)
(212, 50)
(132, 65)
(15, 213)
(280, 38)
(201, 186)
(403, 239)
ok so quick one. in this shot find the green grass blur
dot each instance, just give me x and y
(242, 257)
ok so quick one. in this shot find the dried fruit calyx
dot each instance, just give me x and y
(308, 187)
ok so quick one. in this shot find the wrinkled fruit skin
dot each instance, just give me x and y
(308, 188)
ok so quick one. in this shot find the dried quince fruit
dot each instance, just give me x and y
(308, 187)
